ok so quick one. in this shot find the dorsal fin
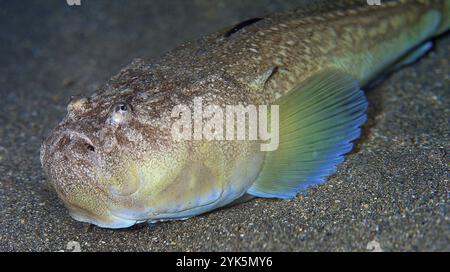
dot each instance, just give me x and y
(241, 25)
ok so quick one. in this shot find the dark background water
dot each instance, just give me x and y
(393, 189)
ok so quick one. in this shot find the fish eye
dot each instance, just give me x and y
(121, 107)
(120, 112)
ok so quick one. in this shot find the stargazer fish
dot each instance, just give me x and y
(113, 159)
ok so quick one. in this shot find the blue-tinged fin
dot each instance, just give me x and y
(414, 55)
(407, 59)
(318, 122)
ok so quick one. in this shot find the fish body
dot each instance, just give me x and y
(113, 159)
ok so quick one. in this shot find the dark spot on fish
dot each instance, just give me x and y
(273, 70)
(241, 25)
(90, 147)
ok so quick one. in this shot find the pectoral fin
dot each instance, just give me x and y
(413, 56)
(319, 119)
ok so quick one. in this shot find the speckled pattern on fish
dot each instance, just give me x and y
(395, 176)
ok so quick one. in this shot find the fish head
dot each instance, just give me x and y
(114, 160)
(114, 163)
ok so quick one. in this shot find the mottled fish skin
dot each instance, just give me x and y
(118, 170)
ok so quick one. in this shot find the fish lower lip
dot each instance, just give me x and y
(115, 222)
(112, 221)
